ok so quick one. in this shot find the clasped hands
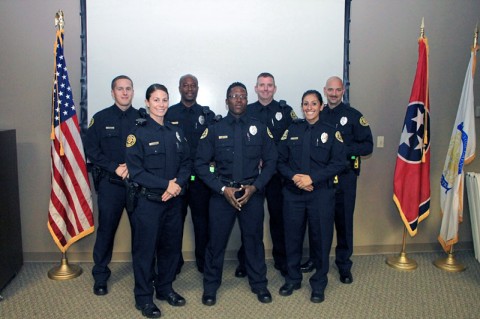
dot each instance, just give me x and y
(303, 182)
(237, 203)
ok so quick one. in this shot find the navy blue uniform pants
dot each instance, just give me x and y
(111, 200)
(346, 192)
(222, 219)
(317, 209)
(157, 233)
(274, 196)
(197, 197)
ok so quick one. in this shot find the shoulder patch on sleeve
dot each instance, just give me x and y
(204, 134)
(269, 133)
(91, 122)
(338, 135)
(293, 115)
(363, 121)
(131, 140)
(285, 135)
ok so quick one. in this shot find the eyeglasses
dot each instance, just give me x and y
(238, 96)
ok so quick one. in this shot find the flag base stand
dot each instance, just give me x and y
(449, 264)
(402, 262)
(65, 271)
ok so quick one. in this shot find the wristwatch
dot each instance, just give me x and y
(222, 190)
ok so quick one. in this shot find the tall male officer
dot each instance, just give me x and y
(237, 144)
(193, 119)
(105, 148)
(358, 141)
(277, 116)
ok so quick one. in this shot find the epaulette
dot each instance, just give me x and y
(298, 121)
(142, 120)
(217, 118)
(283, 103)
(206, 110)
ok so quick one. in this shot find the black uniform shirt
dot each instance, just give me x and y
(192, 120)
(156, 154)
(106, 135)
(275, 116)
(217, 144)
(355, 130)
(326, 148)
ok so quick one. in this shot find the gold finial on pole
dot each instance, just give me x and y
(422, 29)
(59, 20)
(475, 37)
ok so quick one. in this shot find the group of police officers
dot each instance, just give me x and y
(157, 163)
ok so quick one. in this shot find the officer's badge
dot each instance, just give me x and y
(178, 136)
(253, 130)
(201, 119)
(204, 134)
(269, 133)
(363, 121)
(324, 137)
(278, 116)
(338, 135)
(91, 122)
(131, 139)
(293, 115)
(343, 120)
(285, 135)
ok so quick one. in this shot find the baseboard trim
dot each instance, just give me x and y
(232, 254)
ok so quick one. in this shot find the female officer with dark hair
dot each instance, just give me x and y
(310, 154)
(157, 157)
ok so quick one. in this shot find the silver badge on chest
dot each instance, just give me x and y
(201, 119)
(253, 130)
(324, 137)
(343, 120)
(278, 116)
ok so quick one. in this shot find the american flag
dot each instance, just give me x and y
(70, 216)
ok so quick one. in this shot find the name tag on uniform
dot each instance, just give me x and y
(294, 138)
(222, 137)
(109, 127)
(174, 123)
(153, 143)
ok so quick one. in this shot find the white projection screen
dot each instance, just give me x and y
(301, 42)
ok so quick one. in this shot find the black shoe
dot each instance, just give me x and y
(173, 299)
(346, 278)
(149, 310)
(263, 295)
(287, 289)
(240, 272)
(209, 300)
(308, 266)
(317, 297)
(100, 289)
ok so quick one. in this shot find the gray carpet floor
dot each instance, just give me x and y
(378, 291)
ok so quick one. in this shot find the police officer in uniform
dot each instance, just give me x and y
(237, 144)
(105, 149)
(193, 119)
(158, 159)
(310, 154)
(277, 116)
(358, 140)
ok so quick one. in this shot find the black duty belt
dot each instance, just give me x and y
(231, 183)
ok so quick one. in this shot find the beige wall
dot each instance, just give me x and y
(383, 56)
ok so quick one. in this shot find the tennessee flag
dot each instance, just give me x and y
(411, 184)
(461, 151)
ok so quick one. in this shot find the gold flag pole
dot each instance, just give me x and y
(402, 262)
(64, 271)
(449, 263)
